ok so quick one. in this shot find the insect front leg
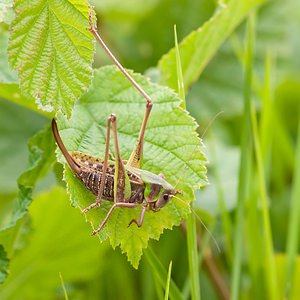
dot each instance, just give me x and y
(139, 222)
(154, 191)
(120, 204)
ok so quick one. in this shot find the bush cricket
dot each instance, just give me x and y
(90, 170)
(121, 182)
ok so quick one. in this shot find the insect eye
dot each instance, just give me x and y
(166, 197)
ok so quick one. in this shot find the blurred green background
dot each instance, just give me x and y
(139, 33)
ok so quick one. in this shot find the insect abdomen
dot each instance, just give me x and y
(92, 181)
(91, 170)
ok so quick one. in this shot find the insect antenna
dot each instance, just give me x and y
(216, 243)
(210, 122)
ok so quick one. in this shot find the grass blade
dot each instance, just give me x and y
(159, 290)
(244, 167)
(161, 274)
(193, 257)
(63, 286)
(191, 225)
(270, 268)
(168, 282)
(200, 45)
(179, 71)
(293, 229)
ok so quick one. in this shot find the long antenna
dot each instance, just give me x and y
(210, 122)
(216, 243)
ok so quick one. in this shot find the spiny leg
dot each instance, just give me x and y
(120, 204)
(136, 155)
(122, 190)
(105, 163)
(98, 38)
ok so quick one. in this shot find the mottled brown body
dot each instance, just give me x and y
(91, 170)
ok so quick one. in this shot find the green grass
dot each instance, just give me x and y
(244, 174)
(63, 286)
(293, 230)
(191, 222)
(250, 72)
(167, 289)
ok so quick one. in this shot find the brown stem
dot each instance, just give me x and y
(216, 278)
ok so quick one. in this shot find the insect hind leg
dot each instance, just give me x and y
(110, 119)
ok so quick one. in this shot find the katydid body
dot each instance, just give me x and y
(91, 175)
(100, 178)
(122, 184)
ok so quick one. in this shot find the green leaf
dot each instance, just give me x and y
(4, 262)
(216, 91)
(59, 242)
(198, 47)
(169, 141)
(41, 156)
(12, 92)
(41, 148)
(52, 50)
(160, 274)
(17, 126)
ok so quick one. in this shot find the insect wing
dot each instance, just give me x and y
(150, 177)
